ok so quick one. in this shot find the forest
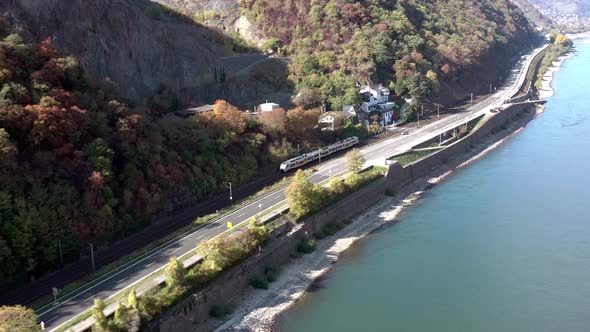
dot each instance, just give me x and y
(336, 44)
(79, 165)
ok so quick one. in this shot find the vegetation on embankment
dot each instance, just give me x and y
(218, 255)
(560, 45)
(306, 198)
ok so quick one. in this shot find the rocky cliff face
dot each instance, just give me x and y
(134, 43)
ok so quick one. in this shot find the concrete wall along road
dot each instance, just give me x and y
(191, 314)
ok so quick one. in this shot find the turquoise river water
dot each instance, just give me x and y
(502, 245)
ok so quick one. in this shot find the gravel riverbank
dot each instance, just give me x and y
(546, 89)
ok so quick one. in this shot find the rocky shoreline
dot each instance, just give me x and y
(264, 310)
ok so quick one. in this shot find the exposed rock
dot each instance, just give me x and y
(134, 43)
(221, 14)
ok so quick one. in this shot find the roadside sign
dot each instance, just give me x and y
(229, 224)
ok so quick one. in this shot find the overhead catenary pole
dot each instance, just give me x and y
(61, 259)
(228, 185)
(92, 256)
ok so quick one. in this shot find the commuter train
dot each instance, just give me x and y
(317, 154)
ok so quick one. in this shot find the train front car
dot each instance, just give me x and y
(284, 167)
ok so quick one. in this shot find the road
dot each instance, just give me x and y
(128, 275)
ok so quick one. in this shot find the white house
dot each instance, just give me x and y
(375, 100)
(268, 107)
(373, 96)
(328, 119)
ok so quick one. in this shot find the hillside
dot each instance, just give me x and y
(336, 43)
(533, 14)
(138, 44)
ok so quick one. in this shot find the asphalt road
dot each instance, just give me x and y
(58, 315)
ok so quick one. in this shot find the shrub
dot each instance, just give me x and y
(271, 274)
(220, 310)
(259, 283)
(328, 230)
(307, 246)
(153, 12)
(352, 180)
(390, 192)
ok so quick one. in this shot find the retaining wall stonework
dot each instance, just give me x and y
(191, 315)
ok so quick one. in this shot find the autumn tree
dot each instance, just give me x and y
(355, 160)
(336, 185)
(563, 41)
(302, 126)
(302, 195)
(434, 83)
(274, 122)
(101, 323)
(175, 273)
(18, 318)
(127, 317)
(256, 234)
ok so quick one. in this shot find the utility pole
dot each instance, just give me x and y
(61, 259)
(472, 97)
(297, 149)
(228, 185)
(438, 110)
(92, 256)
(490, 88)
(421, 111)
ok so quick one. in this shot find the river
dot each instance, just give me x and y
(502, 245)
